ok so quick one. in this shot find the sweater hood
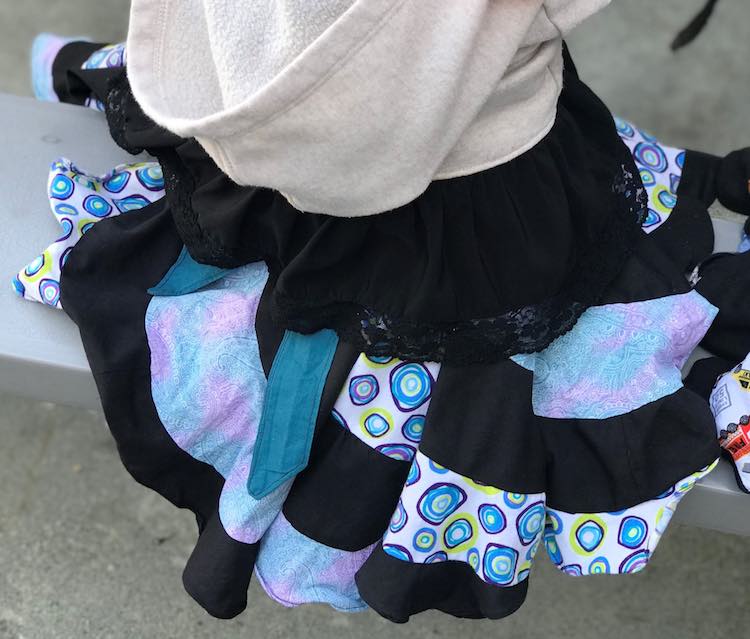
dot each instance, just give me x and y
(352, 107)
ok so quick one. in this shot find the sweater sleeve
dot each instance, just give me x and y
(567, 14)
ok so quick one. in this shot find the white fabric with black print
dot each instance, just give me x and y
(730, 404)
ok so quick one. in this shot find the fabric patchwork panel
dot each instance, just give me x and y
(385, 403)
(618, 357)
(616, 542)
(78, 201)
(660, 167)
(293, 569)
(444, 516)
(109, 57)
(345, 475)
(208, 386)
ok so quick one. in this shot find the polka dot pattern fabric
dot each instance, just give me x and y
(110, 57)
(618, 542)
(660, 167)
(444, 516)
(78, 201)
(385, 403)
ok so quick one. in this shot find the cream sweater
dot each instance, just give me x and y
(352, 107)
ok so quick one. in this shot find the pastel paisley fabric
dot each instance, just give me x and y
(660, 167)
(78, 201)
(618, 357)
(295, 570)
(208, 387)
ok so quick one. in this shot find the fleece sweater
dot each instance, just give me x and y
(352, 107)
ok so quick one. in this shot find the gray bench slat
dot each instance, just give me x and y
(41, 356)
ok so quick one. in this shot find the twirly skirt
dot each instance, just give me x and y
(506, 372)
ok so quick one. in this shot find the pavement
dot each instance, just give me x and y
(87, 552)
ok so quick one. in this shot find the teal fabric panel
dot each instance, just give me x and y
(186, 276)
(290, 411)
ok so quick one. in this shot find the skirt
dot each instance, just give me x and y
(431, 480)
(429, 485)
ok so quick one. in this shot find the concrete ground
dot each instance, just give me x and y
(86, 552)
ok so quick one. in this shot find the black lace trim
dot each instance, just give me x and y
(117, 105)
(180, 185)
(129, 126)
(524, 330)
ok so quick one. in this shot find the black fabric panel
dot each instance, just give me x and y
(480, 424)
(397, 589)
(611, 464)
(687, 235)
(725, 282)
(103, 288)
(97, 80)
(647, 274)
(705, 372)
(699, 177)
(568, 64)
(343, 362)
(347, 494)
(147, 451)
(68, 86)
(269, 334)
(733, 181)
(218, 572)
